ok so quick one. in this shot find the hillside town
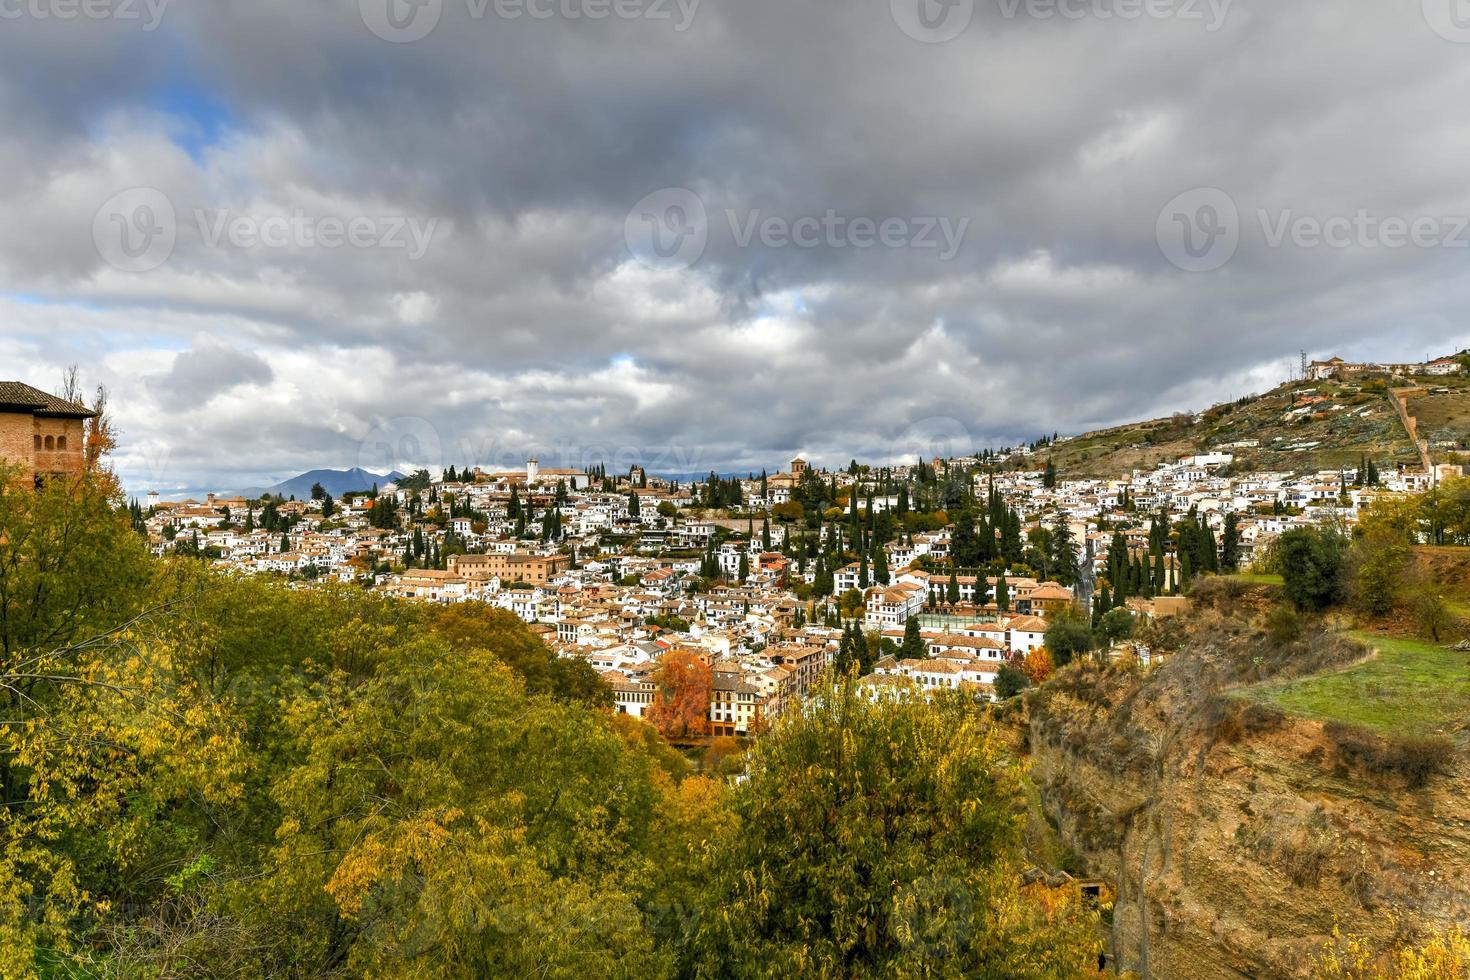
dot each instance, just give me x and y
(743, 576)
(941, 572)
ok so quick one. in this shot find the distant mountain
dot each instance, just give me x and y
(336, 483)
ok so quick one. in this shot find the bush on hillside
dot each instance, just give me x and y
(1416, 758)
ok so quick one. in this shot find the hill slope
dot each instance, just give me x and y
(1302, 426)
(1236, 834)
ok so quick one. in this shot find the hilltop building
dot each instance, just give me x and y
(1336, 367)
(42, 434)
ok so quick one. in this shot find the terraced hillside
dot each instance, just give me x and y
(1298, 427)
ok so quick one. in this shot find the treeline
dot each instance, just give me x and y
(213, 776)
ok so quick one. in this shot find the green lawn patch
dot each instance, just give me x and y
(1253, 578)
(1410, 688)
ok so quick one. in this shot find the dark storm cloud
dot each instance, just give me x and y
(200, 374)
(526, 324)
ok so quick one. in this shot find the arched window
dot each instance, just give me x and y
(50, 442)
(38, 441)
(61, 443)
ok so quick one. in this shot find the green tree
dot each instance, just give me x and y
(1380, 554)
(891, 845)
(1069, 637)
(1230, 544)
(913, 644)
(1009, 682)
(1116, 625)
(1313, 567)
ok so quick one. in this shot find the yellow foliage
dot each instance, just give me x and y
(1436, 955)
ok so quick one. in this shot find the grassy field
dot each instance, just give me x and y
(1256, 578)
(1410, 688)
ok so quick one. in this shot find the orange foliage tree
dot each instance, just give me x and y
(1038, 665)
(681, 706)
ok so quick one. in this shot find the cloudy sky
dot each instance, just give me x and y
(711, 233)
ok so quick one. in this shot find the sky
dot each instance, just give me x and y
(711, 234)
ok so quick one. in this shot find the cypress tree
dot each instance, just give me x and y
(1230, 544)
(913, 643)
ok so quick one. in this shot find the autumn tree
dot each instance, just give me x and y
(1380, 555)
(681, 703)
(1037, 665)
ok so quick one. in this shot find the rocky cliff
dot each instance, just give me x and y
(1236, 837)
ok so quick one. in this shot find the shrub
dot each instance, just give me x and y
(1220, 592)
(1415, 758)
(1299, 847)
(1418, 759)
(1283, 625)
(1258, 718)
